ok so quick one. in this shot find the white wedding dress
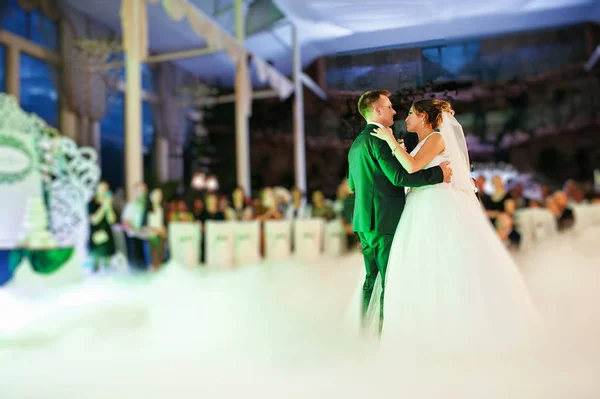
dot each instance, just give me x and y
(451, 287)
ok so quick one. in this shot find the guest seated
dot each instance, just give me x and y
(319, 208)
(494, 204)
(240, 209)
(504, 227)
(565, 218)
(211, 211)
(346, 218)
(181, 213)
(297, 209)
(222, 204)
(197, 208)
(516, 194)
(156, 229)
(343, 191)
(267, 209)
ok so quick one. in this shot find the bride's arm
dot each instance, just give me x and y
(432, 147)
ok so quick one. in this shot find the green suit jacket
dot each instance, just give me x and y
(377, 180)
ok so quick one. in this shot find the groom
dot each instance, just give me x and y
(378, 181)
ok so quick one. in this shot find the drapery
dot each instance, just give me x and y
(171, 115)
(83, 80)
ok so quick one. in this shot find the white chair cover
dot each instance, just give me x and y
(336, 241)
(219, 236)
(278, 240)
(308, 238)
(185, 241)
(246, 242)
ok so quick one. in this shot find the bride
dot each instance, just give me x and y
(451, 286)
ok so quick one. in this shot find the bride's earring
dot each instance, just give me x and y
(422, 123)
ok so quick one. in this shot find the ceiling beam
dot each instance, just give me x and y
(180, 55)
(313, 86)
(593, 59)
(229, 98)
(306, 80)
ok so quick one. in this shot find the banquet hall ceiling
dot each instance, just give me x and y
(339, 26)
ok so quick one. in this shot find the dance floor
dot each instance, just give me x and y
(276, 331)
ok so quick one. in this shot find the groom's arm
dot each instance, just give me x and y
(350, 182)
(398, 175)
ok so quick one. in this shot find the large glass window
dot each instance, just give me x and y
(112, 141)
(38, 88)
(2, 69)
(15, 19)
(148, 143)
(33, 25)
(449, 61)
(147, 127)
(147, 83)
(42, 30)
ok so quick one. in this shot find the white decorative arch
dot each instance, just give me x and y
(51, 164)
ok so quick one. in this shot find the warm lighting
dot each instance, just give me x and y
(212, 184)
(199, 181)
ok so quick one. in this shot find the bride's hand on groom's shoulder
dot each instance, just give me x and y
(384, 134)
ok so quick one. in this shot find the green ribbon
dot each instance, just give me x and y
(43, 261)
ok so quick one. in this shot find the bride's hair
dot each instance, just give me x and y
(433, 110)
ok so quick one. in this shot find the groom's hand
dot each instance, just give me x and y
(447, 170)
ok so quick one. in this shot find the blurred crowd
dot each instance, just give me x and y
(502, 201)
(145, 218)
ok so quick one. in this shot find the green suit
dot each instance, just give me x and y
(378, 180)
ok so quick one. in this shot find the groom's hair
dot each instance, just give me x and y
(366, 101)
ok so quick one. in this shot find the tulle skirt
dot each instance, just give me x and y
(451, 285)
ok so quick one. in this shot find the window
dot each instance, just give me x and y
(15, 19)
(38, 89)
(42, 30)
(147, 127)
(148, 142)
(147, 83)
(2, 69)
(451, 60)
(33, 25)
(112, 141)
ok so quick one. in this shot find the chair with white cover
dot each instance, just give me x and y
(336, 240)
(308, 238)
(246, 242)
(219, 237)
(185, 241)
(278, 240)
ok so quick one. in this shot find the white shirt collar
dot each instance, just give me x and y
(375, 123)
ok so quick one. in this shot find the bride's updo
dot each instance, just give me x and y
(433, 110)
